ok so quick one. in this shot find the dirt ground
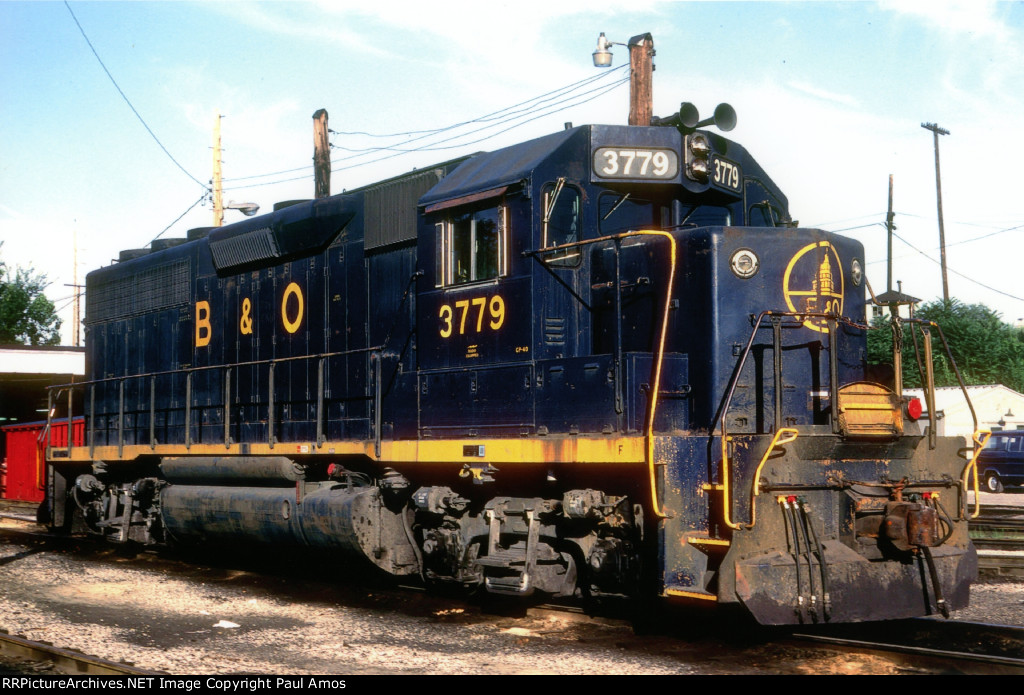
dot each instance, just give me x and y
(212, 618)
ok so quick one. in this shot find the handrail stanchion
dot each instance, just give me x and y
(120, 417)
(320, 402)
(92, 420)
(152, 412)
(378, 378)
(833, 373)
(188, 409)
(980, 437)
(71, 391)
(227, 407)
(270, 406)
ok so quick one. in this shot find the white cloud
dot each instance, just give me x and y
(977, 18)
(819, 93)
(10, 212)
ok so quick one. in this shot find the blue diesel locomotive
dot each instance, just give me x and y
(603, 362)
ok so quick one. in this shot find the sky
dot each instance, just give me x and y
(107, 147)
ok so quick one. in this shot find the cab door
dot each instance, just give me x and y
(560, 294)
(474, 318)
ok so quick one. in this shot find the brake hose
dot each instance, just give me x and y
(810, 565)
(939, 600)
(790, 520)
(826, 600)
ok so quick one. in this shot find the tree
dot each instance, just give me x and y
(26, 315)
(986, 350)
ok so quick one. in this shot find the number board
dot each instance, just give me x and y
(725, 173)
(650, 163)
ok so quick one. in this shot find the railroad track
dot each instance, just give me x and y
(998, 534)
(36, 656)
(16, 509)
(1000, 528)
(952, 646)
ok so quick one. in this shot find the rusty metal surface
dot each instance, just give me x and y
(859, 590)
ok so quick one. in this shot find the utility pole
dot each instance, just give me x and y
(77, 316)
(936, 132)
(889, 226)
(218, 192)
(321, 156)
(641, 69)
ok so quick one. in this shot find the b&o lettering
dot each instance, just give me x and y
(204, 330)
(292, 324)
(245, 323)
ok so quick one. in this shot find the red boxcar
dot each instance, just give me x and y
(25, 460)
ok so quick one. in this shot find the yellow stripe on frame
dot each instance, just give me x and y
(574, 449)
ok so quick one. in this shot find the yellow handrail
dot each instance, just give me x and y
(790, 434)
(980, 438)
(659, 357)
(657, 364)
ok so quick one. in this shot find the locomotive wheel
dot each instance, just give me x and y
(992, 482)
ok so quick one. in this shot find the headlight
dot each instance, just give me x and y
(744, 263)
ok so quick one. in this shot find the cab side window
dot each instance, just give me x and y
(471, 246)
(562, 223)
(763, 215)
(623, 212)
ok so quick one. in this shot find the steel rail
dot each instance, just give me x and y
(944, 636)
(68, 661)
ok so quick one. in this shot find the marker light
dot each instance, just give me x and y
(914, 409)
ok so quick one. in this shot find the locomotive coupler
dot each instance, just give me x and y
(910, 525)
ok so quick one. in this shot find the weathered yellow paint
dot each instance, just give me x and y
(824, 286)
(690, 594)
(980, 437)
(867, 409)
(696, 540)
(575, 449)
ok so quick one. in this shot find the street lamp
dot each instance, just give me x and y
(641, 67)
(247, 209)
(602, 54)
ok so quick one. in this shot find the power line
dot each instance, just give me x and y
(986, 236)
(71, 300)
(429, 147)
(957, 243)
(859, 226)
(502, 114)
(819, 225)
(959, 223)
(965, 277)
(433, 146)
(127, 101)
(201, 199)
(491, 116)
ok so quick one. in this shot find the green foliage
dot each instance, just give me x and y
(986, 350)
(26, 315)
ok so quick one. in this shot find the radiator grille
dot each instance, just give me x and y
(138, 293)
(251, 247)
(390, 209)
